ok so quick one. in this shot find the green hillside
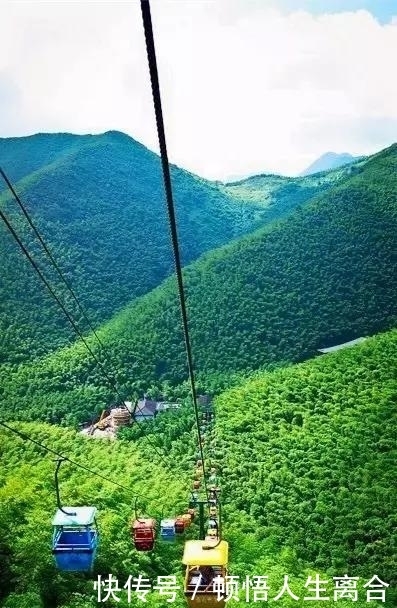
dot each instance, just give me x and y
(99, 202)
(28, 576)
(279, 195)
(306, 457)
(21, 156)
(324, 275)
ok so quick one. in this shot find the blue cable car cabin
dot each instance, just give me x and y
(75, 538)
(167, 530)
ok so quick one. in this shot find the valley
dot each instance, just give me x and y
(275, 269)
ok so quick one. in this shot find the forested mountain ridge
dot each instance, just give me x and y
(305, 456)
(22, 156)
(324, 275)
(280, 195)
(99, 203)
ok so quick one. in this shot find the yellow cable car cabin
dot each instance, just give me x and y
(204, 563)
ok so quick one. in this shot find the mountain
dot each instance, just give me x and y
(306, 463)
(330, 160)
(280, 195)
(99, 203)
(20, 156)
(324, 275)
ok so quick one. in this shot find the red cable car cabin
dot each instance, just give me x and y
(180, 525)
(143, 534)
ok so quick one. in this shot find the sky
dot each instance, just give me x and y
(248, 86)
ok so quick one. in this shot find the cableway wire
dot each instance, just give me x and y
(49, 254)
(26, 437)
(151, 56)
(56, 298)
(70, 319)
(171, 212)
(111, 381)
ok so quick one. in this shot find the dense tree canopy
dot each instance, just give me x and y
(99, 203)
(324, 275)
(306, 458)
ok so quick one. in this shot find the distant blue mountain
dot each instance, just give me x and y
(328, 161)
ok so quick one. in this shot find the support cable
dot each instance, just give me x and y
(110, 380)
(27, 437)
(56, 298)
(61, 456)
(151, 55)
(49, 254)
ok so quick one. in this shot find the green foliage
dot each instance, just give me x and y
(280, 195)
(306, 456)
(324, 275)
(99, 203)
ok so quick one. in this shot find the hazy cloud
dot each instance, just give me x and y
(248, 85)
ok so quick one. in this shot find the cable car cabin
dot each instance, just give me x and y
(213, 494)
(213, 499)
(180, 524)
(192, 513)
(196, 485)
(143, 532)
(75, 539)
(203, 566)
(187, 519)
(167, 530)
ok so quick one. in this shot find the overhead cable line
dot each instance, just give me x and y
(110, 380)
(151, 56)
(56, 298)
(49, 254)
(26, 437)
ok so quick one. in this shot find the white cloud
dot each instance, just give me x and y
(245, 87)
